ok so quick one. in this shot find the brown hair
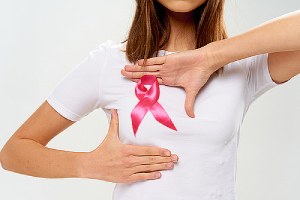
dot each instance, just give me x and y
(150, 29)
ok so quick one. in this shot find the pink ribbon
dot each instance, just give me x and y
(148, 101)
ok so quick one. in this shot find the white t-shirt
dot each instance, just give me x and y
(206, 145)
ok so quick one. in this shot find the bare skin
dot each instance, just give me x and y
(191, 68)
(130, 164)
(180, 14)
(26, 153)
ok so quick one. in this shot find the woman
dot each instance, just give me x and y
(205, 143)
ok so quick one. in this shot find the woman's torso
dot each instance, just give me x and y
(206, 145)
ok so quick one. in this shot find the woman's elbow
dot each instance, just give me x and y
(3, 157)
(6, 157)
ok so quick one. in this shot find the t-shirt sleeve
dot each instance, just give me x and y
(78, 92)
(258, 76)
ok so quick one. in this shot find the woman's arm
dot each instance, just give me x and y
(26, 153)
(191, 69)
(280, 37)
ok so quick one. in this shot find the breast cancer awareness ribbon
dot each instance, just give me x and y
(148, 101)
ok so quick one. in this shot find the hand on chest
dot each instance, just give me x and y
(218, 109)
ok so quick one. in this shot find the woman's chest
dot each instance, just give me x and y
(219, 108)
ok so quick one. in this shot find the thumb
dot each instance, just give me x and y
(114, 123)
(189, 103)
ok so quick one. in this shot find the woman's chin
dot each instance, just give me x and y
(181, 5)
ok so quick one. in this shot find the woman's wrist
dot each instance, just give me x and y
(82, 163)
(228, 50)
(216, 55)
(266, 38)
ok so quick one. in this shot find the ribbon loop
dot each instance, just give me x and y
(148, 101)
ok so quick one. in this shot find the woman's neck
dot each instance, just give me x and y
(182, 36)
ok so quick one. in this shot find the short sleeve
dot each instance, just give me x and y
(78, 92)
(258, 76)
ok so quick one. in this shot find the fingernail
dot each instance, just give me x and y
(167, 153)
(174, 157)
(157, 175)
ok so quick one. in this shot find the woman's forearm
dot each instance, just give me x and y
(28, 157)
(276, 35)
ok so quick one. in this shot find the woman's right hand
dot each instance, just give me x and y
(116, 162)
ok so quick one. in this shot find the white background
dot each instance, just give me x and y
(40, 41)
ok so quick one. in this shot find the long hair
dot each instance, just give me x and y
(150, 29)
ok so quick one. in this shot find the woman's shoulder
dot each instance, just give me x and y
(114, 49)
(113, 44)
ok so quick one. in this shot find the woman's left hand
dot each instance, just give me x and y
(188, 69)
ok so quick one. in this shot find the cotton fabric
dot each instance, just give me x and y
(206, 145)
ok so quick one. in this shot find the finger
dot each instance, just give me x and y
(152, 61)
(134, 161)
(137, 74)
(144, 176)
(114, 123)
(142, 160)
(149, 68)
(147, 150)
(137, 80)
(153, 167)
(160, 81)
(189, 103)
